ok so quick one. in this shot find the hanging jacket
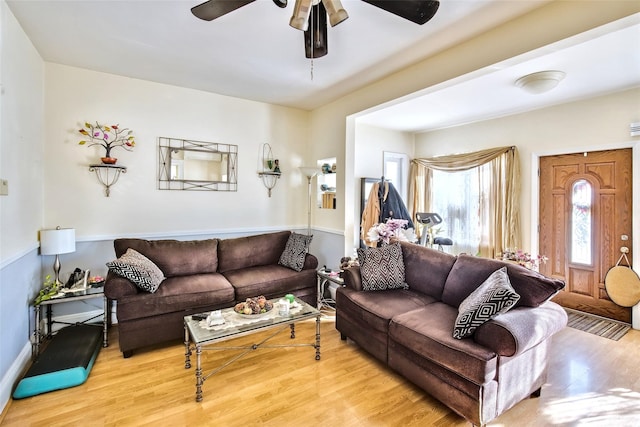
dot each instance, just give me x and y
(371, 214)
(393, 206)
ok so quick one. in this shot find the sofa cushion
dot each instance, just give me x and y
(493, 297)
(295, 251)
(178, 294)
(469, 272)
(427, 332)
(251, 251)
(272, 281)
(174, 257)
(382, 268)
(426, 269)
(376, 309)
(141, 271)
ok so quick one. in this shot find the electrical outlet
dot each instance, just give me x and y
(4, 187)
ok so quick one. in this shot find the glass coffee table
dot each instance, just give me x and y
(199, 336)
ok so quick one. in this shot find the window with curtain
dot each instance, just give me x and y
(456, 197)
(476, 194)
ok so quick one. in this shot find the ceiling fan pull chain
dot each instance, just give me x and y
(313, 44)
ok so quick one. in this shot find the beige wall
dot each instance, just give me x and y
(371, 143)
(136, 207)
(589, 125)
(333, 125)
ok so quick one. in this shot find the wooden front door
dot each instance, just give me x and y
(585, 217)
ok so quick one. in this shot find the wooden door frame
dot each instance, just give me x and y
(635, 200)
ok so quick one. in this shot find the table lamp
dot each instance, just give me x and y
(55, 242)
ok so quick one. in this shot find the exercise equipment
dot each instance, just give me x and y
(428, 220)
(65, 362)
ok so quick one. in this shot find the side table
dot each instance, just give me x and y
(79, 295)
(324, 278)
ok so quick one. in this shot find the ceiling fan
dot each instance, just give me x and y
(310, 16)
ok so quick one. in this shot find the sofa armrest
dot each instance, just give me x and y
(352, 278)
(520, 329)
(116, 287)
(310, 262)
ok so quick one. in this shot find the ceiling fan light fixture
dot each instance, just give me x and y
(300, 18)
(336, 12)
(540, 82)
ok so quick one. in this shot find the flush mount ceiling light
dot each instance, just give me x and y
(540, 82)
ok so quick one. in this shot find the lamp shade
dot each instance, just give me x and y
(309, 172)
(57, 241)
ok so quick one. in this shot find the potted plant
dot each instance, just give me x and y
(108, 137)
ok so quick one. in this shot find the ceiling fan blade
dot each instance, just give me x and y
(213, 9)
(418, 11)
(315, 36)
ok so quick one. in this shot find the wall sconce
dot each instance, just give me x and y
(270, 173)
(56, 242)
(107, 175)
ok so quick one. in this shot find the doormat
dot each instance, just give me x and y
(600, 326)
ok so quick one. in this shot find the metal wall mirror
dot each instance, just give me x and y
(195, 165)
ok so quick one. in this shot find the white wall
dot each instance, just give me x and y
(21, 136)
(588, 125)
(136, 207)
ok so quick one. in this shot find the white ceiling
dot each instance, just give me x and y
(601, 61)
(253, 53)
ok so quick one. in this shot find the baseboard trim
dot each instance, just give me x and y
(14, 373)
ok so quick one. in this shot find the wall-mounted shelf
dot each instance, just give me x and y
(269, 179)
(107, 175)
(270, 168)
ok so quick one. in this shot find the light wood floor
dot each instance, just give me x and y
(593, 381)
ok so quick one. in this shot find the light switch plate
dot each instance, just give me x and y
(4, 187)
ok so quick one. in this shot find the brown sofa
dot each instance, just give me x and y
(202, 275)
(411, 331)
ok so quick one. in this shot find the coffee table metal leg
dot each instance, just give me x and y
(199, 379)
(105, 322)
(293, 330)
(187, 349)
(318, 338)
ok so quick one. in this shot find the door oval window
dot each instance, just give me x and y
(581, 222)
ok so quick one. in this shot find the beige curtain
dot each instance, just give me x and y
(500, 220)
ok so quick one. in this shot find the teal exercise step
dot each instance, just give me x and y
(65, 362)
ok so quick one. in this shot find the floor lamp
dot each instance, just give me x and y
(309, 173)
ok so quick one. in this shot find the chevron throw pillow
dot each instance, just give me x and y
(139, 269)
(493, 297)
(382, 268)
(295, 251)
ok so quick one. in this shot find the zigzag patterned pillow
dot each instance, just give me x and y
(295, 251)
(139, 269)
(382, 268)
(493, 297)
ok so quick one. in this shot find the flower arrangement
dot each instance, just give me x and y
(392, 228)
(108, 137)
(524, 258)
